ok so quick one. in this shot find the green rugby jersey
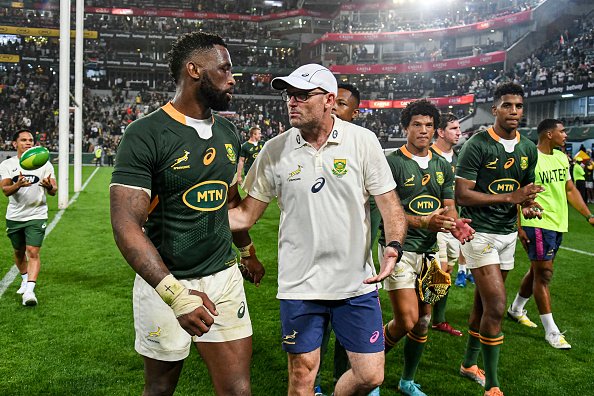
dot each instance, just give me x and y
(250, 152)
(436, 150)
(189, 178)
(421, 191)
(484, 160)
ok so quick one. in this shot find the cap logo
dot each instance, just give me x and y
(305, 75)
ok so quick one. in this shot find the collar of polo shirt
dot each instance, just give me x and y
(334, 138)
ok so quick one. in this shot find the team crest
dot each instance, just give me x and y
(439, 177)
(524, 163)
(230, 153)
(410, 181)
(340, 167)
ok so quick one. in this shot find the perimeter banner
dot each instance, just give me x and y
(401, 103)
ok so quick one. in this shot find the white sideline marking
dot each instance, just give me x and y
(577, 251)
(11, 275)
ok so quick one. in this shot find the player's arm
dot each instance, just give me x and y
(467, 196)
(245, 215)
(49, 183)
(395, 230)
(575, 199)
(240, 169)
(129, 211)
(251, 268)
(436, 221)
(9, 188)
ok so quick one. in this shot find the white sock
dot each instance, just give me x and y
(30, 286)
(462, 267)
(519, 302)
(25, 276)
(548, 323)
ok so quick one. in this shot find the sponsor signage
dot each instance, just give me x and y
(9, 58)
(493, 57)
(508, 20)
(43, 32)
(573, 87)
(401, 103)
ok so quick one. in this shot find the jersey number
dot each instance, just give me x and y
(210, 155)
(318, 185)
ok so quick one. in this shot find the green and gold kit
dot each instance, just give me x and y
(484, 160)
(436, 150)
(421, 191)
(189, 179)
(250, 152)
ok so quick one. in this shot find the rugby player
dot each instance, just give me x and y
(174, 179)
(495, 172)
(425, 185)
(249, 151)
(448, 133)
(323, 171)
(542, 238)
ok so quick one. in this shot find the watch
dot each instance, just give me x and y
(396, 245)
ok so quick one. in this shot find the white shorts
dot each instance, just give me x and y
(158, 333)
(589, 184)
(449, 248)
(487, 249)
(405, 272)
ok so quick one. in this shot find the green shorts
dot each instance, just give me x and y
(30, 233)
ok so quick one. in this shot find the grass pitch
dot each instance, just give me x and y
(79, 339)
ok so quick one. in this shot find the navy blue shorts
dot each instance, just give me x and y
(357, 323)
(543, 243)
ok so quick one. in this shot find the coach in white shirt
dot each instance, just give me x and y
(323, 171)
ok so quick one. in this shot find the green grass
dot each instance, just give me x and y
(79, 339)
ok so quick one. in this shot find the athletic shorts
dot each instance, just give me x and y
(449, 248)
(543, 243)
(357, 323)
(405, 272)
(486, 249)
(589, 184)
(158, 333)
(26, 233)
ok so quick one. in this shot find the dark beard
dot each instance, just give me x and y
(215, 98)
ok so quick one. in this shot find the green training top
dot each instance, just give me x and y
(421, 191)
(189, 179)
(551, 173)
(484, 160)
(250, 152)
(578, 172)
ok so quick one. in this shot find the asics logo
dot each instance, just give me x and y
(318, 185)
(374, 336)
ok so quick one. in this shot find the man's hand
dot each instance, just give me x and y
(531, 210)
(46, 183)
(386, 267)
(239, 180)
(526, 193)
(252, 269)
(591, 221)
(22, 182)
(462, 231)
(198, 322)
(435, 221)
(524, 240)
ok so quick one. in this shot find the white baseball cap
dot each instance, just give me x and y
(308, 77)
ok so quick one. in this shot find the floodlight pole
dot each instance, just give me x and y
(64, 98)
(78, 95)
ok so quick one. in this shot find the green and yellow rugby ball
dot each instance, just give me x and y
(34, 158)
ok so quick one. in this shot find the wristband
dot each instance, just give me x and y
(247, 251)
(424, 223)
(177, 296)
(396, 245)
(589, 217)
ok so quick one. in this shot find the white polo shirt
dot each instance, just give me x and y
(324, 233)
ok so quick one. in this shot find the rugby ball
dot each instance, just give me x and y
(34, 158)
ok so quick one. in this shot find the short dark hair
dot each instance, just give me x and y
(546, 125)
(419, 107)
(508, 88)
(353, 90)
(15, 136)
(186, 45)
(445, 118)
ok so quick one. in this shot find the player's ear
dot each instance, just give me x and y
(193, 70)
(356, 112)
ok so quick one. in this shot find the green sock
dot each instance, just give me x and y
(414, 344)
(439, 310)
(389, 342)
(490, 345)
(473, 347)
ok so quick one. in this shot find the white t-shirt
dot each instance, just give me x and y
(324, 233)
(28, 203)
